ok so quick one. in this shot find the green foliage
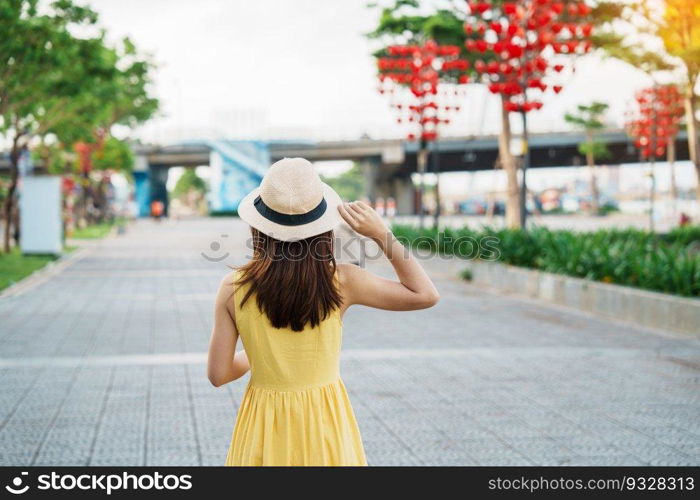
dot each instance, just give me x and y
(599, 150)
(631, 36)
(62, 83)
(467, 275)
(92, 232)
(685, 236)
(189, 181)
(409, 21)
(589, 118)
(350, 185)
(54, 83)
(44, 66)
(667, 263)
(14, 266)
(97, 231)
(608, 209)
(113, 155)
(223, 213)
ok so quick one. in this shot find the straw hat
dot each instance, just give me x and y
(291, 202)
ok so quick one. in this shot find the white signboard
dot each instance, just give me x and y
(41, 228)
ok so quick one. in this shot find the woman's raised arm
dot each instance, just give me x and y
(413, 290)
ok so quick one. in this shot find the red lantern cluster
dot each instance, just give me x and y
(415, 78)
(522, 42)
(657, 119)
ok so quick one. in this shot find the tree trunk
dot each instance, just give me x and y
(100, 200)
(590, 160)
(510, 166)
(9, 201)
(671, 159)
(692, 125)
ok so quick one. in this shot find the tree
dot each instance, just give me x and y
(680, 32)
(404, 22)
(189, 181)
(118, 94)
(589, 118)
(414, 77)
(350, 185)
(37, 52)
(115, 155)
(527, 42)
(62, 88)
(665, 38)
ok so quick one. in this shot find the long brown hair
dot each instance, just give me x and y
(293, 281)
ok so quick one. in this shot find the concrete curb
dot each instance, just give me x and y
(640, 307)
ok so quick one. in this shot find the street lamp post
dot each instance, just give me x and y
(525, 165)
(436, 171)
(421, 164)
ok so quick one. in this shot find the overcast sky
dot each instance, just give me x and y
(301, 68)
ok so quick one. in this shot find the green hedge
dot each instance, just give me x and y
(223, 213)
(667, 263)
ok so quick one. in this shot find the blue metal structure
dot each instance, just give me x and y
(237, 168)
(142, 194)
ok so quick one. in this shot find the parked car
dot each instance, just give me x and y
(480, 206)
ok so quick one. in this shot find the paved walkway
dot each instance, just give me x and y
(103, 364)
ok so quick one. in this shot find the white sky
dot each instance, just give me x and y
(301, 69)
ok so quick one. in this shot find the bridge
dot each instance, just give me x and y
(238, 166)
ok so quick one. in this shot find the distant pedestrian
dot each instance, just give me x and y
(157, 209)
(685, 219)
(287, 305)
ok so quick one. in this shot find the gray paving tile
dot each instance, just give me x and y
(482, 378)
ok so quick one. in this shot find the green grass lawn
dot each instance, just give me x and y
(92, 232)
(97, 231)
(15, 266)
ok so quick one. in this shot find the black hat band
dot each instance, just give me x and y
(289, 219)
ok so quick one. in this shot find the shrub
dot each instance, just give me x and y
(223, 213)
(667, 263)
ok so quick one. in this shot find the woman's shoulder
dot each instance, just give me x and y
(228, 285)
(229, 279)
(349, 274)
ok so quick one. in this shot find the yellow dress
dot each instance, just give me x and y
(295, 410)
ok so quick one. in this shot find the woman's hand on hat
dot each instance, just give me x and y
(363, 219)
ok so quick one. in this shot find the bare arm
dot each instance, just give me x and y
(224, 364)
(413, 290)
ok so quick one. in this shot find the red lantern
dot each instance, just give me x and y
(414, 73)
(656, 120)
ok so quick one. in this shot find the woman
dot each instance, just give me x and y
(287, 305)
